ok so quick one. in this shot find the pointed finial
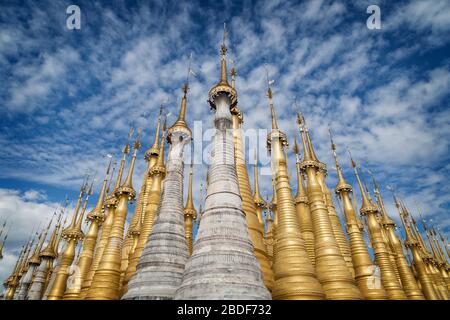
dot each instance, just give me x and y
(126, 149)
(296, 149)
(80, 198)
(224, 39)
(128, 184)
(200, 206)
(233, 73)
(111, 176)
(222, 87)
(342, 184)
(270, 96)
(180, 124)
(153, 151)
(366, 204)
(97, 212)
(189, 209)
(257, 198)
(223, 53)
(86, 200)
(310, 145)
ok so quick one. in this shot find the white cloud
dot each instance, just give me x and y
(25, 215)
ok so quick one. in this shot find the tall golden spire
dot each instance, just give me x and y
(436, 267)
(49, 250)
(294, 272)
(109, 205)
(268, 236)
(388, 277)
(412, 244)
(71, 235)
(180, 124)
(331, 267)
(95, 218)
(12, 281)
(336, 227)
(365, 270)
(35, 258)
(106, 281)
(190, 214)
(408, 280)
(154, 149)
(60, 233)
(259, 201)
(274, 204)
(302, 208)
(79, 201)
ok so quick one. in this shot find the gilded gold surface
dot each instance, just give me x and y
(362, 262)
(331, 268)
(106, 281)
(255, 227)
(294, 273)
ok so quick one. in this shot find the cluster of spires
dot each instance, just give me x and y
(292, 247)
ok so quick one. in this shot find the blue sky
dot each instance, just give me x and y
(68, 97)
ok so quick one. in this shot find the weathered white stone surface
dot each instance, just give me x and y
(160, 268)
(37, 287)
(25, 283)
(222, 265)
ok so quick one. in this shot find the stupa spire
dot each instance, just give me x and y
(12, 281)
(109, 205)
(365, 270)
(33, 263)
(253, 213)
(106, 281)
(160, 268)
(47, 255)
(71, 235)
(156, 173)
(294, 273)
(154, 149)
(79, 201)
(370, 211)
(95, 218)
(327, 249)
(270, 97)
(408, 280)
(223, 57)
(190, 214)
(138, 218)
(341, 179)
(223, 214)
(412, 244)
(302, 207)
